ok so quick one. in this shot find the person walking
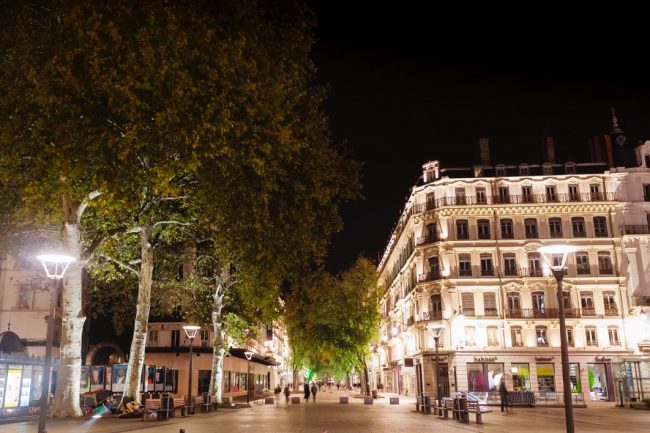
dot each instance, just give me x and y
(306, 392)
(314, 390)
(287, 393)
(503, 393)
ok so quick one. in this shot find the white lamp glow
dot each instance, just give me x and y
(191, 330)
(249, 355)
(55, 265)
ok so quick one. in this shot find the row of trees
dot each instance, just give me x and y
(140, 136)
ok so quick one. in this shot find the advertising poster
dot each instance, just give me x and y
(12, 391)
(119, 377)
(169, 380)
(97, 378)
(84, 382)
(26, 385)
(37, 383)
(149, 381)
(160, 377)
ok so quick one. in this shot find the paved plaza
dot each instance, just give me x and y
(328, 415)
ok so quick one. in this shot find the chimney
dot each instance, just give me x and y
(550, 149)
(595, 149)
(484, 144)
(609, 150)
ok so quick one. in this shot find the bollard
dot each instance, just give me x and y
(182, 430)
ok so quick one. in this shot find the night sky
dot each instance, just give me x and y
(408, 86)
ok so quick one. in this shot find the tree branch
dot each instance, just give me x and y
(84, 204)
(120, 263)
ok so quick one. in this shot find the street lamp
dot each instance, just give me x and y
(190, 332)
(249, 356)
(548, 253)
(55, 266)
(436, 330)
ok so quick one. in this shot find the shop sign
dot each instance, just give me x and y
(485, 358)
(543, 358)
(603, 358)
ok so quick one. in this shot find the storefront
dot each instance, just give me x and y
(20, 386)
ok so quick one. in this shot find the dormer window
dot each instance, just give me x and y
(524, 170)
(570, 168)
(500, 170)
(547, 169)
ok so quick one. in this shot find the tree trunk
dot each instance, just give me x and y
(295, 378)
(136, 354)
(216, 377)
(66, 399)
(366, 378)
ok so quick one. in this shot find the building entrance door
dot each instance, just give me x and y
(598, 381)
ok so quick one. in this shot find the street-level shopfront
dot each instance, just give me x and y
(591, 375)
(21, 381)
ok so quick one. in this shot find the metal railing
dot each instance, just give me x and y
(636, 230)
(430, 315)
(429, 276)
(523, 398)
(430, 239)
(546, 313)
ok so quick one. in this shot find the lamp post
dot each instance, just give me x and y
(190, 332)
(249, 356)
(55, 266)
(436, 330)
(549, 252)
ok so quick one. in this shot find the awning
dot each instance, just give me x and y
(264, 360)
(10, 342)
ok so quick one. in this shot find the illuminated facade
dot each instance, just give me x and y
(463, 255)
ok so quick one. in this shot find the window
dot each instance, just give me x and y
(486, 265)
(480, 196)
(500, 170)
(524, 170)
(431, 233)
(600, 227)
(569, 168)
(205, 334)
(504, 194)
(25, 297)
(594, 190)
(436, 307)
(509, 264)
(540, 333)
(462, 231)
(492, 336)
(515, 334)
(490, 303)
(587, 304)
(434, 267)
(612, 331)
(582, 263)
(547, 168)
(464, 265)
(467, 302)
(470, 336)
(460, 196)
(176, 338)
(538, 304)
(555, 227)
(534, 265)
(574, 194)
(569, 336)
(609, 301)
(578, 226)
(431, 201)
(514, 301)
(591, 337)
(646, 192)
(605, 263)
(527, 194)
(153, 337)
(551, 193)
(506, 229)
(483, 228)
(530, 226)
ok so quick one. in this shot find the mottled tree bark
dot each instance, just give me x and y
(216, 377)
(136, 354)
(66, 399)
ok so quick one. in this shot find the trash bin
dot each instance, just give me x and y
(166, 410)
(428, 402)
(464, 415)
(374, 393)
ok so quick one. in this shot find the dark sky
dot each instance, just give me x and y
(408, 85)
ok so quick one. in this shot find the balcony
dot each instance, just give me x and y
(429, 276)
(605, 271)
(491, 312)
(588, 312)
(487, 272)
(469, 312)
(546, 313)
(429, 239)
(510, 272)
(464, 272)
(531, 272)
(520, 199)
(611, 311)
(431, 315)
(636, 230)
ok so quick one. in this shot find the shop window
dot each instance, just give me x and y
(484, 377)
(546, 377)
(520, 377)
(574, 375)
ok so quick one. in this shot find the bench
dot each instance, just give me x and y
(423, 404)
(153, 404)
(444, 408)
(474, 407)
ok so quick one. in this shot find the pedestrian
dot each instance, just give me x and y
(338, 386)
(287, 393)
(503, 392)
(307, 392)
(314, 390)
